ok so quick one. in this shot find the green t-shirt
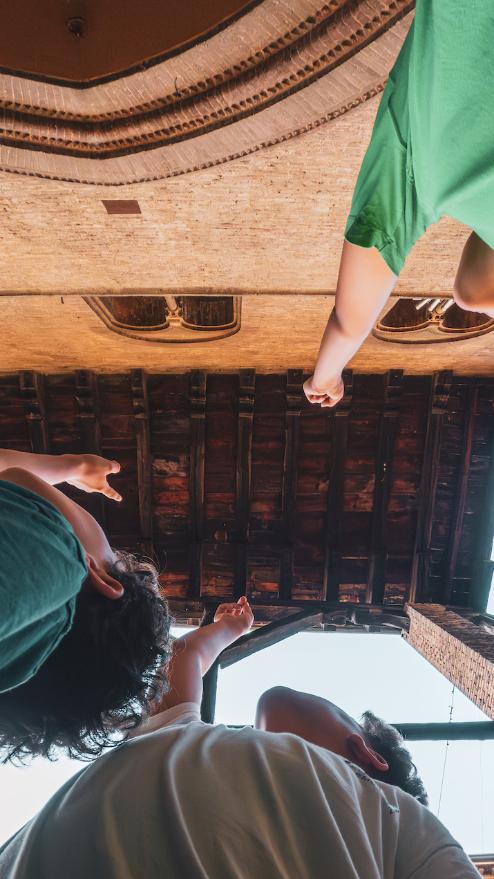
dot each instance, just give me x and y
(451, 105)
(42, 568)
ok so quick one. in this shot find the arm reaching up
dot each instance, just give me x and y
(364, 285)
(87, 472)
(194, 654)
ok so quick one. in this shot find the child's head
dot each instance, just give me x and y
(99, 677)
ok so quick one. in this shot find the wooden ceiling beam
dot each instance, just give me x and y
(210, 679)
(334, 520)
(455, 534)
(87, 401)
(294, 397)
(243, 475)
(388, 426)
(438, 404)
(197, 396)
(140, 404)
(32, 387)
(484, 566)
(334, 611)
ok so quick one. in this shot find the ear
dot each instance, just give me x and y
(101, 581)
(364, 755)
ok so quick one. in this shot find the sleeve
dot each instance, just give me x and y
(449, 861)
(426, 848)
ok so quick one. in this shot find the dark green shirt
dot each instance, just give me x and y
(42, 568)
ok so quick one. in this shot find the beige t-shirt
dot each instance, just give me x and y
(185, 800)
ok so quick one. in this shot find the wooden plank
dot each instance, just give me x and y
(266, 636)
(33, 391)
(140, 404)
(438, 403)
(460, 495)
(294, 398)
(334, 519)
(197, 396)
(388, 426)
(243, 475)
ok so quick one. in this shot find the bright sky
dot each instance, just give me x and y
(380, 672)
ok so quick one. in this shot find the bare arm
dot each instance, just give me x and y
(194, 654)
(87, 472)
(51, 468)
(364, 285)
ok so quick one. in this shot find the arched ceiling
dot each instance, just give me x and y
(273, 71)
(83, 41)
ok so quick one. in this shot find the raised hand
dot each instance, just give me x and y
(238, 617)
(91, 474)
(327, 394)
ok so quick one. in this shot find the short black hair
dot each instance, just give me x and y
(387, 741)
(97, 683)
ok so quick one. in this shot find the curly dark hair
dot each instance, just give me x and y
(97, 683)
(388, 742)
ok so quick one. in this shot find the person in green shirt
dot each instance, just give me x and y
(83, 627)
(431, 154)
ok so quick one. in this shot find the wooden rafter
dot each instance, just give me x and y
(88, 419)
(294, 398)
(461, 494)
(33, 392)
(197, 396)
(243, 473)
(438, 403)
(337, 457)
(266, 636)
(144, 462)
(392, 387)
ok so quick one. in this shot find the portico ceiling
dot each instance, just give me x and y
(266, 75)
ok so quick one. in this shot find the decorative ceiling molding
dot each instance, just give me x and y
(166, 121)
(176, 327)
(430, 320)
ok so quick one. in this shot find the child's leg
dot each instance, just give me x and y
(281, 709)
(474, 284)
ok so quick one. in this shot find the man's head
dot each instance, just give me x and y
(102, 673)
(373, 745)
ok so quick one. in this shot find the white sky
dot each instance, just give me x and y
(356, 671)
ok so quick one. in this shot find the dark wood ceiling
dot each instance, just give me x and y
(84, 40)
(234, 483)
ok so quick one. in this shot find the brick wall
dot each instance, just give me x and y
(461, 651)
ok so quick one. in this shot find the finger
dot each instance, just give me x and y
(114, 467)
(111, 494)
